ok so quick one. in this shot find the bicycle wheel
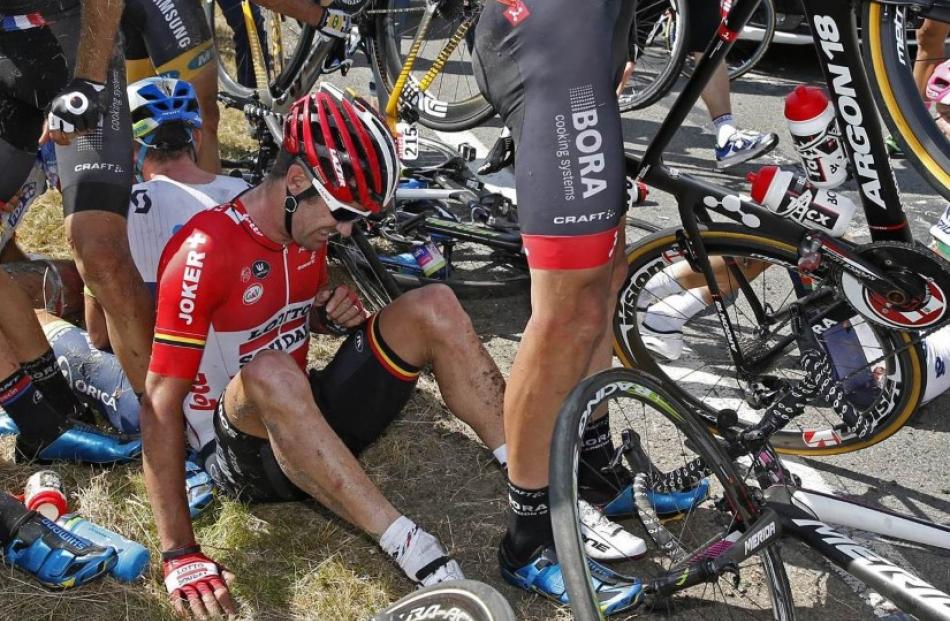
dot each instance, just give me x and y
(462, 599)
(359, 261)
(882, 371)
(282, 46)
(452, 102)
(669, 437)
(660, 52)
(751, 45)
(889, 61)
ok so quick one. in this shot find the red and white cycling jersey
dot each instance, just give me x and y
(225, 292)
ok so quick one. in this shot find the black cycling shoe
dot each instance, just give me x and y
(501, 155)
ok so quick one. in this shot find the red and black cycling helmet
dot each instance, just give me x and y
(347, 148)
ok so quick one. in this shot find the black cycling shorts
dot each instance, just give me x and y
(550, 68)
(359, 393)
(35, 65)
(170, 38)
(704, 19)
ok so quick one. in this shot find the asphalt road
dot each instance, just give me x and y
(908, 472)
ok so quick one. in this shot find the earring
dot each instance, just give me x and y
(290, 203)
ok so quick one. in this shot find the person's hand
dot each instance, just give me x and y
(76, 110)
(338, 16)
(198, 586)
(342, 307)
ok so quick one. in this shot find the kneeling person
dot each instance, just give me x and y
(239, 288)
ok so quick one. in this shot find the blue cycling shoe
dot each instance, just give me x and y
(665, 504)
(542, 575)
(198, 485)
(80, 442)
(54, 556)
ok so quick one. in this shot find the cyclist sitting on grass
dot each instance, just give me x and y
(239, 288)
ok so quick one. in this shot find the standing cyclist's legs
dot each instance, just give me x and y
(559, 101)
(96, 177)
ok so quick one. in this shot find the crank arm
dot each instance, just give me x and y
(863, 271)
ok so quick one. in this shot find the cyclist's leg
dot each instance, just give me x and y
(93, 373)
(96, 178)
(270, 398)
(931, 39)
(560, 104)
(732, 146)
(428, 326)
(274, 443)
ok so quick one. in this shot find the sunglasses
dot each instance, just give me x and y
(341, 212)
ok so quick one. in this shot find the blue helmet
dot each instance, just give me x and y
(156, 101)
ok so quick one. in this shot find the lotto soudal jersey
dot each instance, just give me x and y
(226, 292)
(160, 206)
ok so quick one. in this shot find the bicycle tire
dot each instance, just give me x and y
(896, 393)
(752, 44)
(620, 390)
(358, 259)
(889, 66)
(465, 600)
(289, 57)
(462, 112)
(661, 52)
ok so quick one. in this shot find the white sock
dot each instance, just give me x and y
(725, 127)
(660, 286)
(501, 455)
(417, 552)
(671, 313)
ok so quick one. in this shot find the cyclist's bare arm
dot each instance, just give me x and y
(100, 21)
(163, 452)
(304, 10)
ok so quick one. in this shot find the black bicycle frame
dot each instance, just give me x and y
(909, 592)
(834, 31)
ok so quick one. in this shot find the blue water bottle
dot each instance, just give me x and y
(133, 557)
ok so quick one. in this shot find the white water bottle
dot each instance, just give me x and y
(792, 196)
(814, 130)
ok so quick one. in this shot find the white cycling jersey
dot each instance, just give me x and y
(161, 206)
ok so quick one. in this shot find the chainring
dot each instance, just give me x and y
(910, 264)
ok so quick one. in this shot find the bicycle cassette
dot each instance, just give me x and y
(924, 277)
